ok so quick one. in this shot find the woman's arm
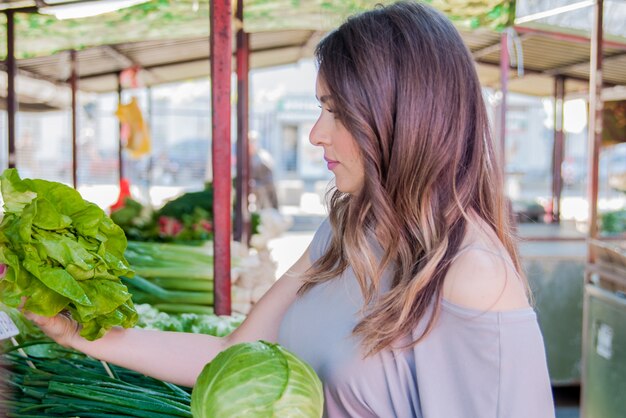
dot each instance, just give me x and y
(175, 356)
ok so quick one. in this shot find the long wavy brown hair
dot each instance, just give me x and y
(404, 84)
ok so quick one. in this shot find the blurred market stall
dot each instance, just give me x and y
(535, 48)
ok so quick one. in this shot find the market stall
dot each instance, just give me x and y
(163, 59)
(603, 371)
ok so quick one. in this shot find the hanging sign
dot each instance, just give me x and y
(7, 327)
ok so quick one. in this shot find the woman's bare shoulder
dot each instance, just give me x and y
(483, 276)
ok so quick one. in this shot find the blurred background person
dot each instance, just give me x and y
(261, 175)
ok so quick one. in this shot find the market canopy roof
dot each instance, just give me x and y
(169, 40)
(158, 20)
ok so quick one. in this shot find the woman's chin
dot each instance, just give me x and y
(347, 188)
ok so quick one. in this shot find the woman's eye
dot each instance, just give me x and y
(329, 110)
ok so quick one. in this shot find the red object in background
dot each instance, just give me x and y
(548, 217)
(170, 227)
(129, 77)
(121, 199)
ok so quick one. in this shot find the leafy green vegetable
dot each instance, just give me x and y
(188, 202)
(614, 222)
(187, 219)
(144, 291)
(257, 380)
(62, 252)
(137, 221)
(172, 274)
(67, 383)
(219, 326)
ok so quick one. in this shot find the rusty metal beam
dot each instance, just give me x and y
(570, 37)
(308, 47)
(125, 60)
(121, 58)
(221, 63)
(554, 11)
(34, 5)
(74, 87)
(25, 6)
(171, 64)
(574, 65)
(531, 71)
(34, 75)
(490, 49)
(242, 217)
(11, 96)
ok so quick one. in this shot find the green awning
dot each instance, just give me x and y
(471, 14)
(41, 35)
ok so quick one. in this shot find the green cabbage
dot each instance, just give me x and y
(62, 252)
(257, 380)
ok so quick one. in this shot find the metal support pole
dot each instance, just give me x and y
(11, 96)
(594, 142)
(242, 217)
(120, 154)
(559, 147)
(221, 63)
(74, 87)
(595, 122)
(150, 99)
(504, 88)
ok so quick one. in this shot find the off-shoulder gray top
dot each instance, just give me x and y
(472, 364)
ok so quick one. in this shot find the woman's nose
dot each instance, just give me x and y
(317, 136)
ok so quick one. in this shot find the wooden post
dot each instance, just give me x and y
(221, 63)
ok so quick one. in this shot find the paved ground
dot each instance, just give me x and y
(289, 247)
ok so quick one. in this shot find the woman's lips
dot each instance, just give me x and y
(331, 164)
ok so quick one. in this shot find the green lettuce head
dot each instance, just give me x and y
(62, 253)
(257, 380)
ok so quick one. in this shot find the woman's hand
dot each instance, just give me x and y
(61, 328)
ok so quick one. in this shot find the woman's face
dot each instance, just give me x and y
(341, 151)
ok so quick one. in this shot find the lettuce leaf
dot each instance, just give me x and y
(62, 253)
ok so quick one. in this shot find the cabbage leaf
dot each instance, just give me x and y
(257, 380)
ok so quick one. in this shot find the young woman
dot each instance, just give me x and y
(410, 301)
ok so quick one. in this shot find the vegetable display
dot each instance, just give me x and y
(70, 384)
(186, 219)
(172, 277)
(257, 380)
(218, 326)
(62, 253)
